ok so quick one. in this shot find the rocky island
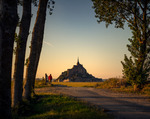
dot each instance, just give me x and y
(77, 74)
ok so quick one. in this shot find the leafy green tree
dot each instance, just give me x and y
(130, 65)
(136, 13)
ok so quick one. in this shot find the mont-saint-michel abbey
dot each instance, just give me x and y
(77, 74)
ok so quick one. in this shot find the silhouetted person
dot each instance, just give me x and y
(50, 78)
(46, 78)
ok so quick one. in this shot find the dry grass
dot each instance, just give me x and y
(146, 89)
(120, 85)
(40, 83)
(77, 84)
(114, 84)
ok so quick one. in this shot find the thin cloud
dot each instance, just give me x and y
(48, 43)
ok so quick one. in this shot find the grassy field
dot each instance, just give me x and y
(118, 85)
(78, 84)
(39, 84)
(50, 106)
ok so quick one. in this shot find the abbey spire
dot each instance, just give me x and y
(78, 61)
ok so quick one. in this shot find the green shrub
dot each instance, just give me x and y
(112, 83)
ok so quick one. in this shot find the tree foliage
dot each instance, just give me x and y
(50, 5)
(130, 65)
(136, 13)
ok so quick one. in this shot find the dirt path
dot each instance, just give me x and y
(123, 106)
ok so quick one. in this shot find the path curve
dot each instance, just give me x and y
(123, 106)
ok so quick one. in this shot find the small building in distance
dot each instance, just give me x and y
(77, 74)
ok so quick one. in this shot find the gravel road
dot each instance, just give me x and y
(123, 106)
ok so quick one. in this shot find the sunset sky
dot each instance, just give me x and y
(71, 32)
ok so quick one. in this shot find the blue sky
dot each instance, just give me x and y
(71, 32)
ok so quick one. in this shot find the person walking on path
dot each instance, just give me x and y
(50, 78)
(46, 78)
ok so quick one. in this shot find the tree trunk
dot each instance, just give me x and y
(20, 53)
(8, 23)
(36, 45)
(143, 46)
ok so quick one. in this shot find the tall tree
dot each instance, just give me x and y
(20, 53)
(131, 64)
(8, 23)
(36, 45)
(137, 14)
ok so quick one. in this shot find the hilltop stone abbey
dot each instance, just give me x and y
(77, 74)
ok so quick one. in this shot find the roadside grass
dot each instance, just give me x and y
(46, 106)
(51, 106)
(146, 90)
(40, 84)
(120, 85)
(114, 84)
(77, 84)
